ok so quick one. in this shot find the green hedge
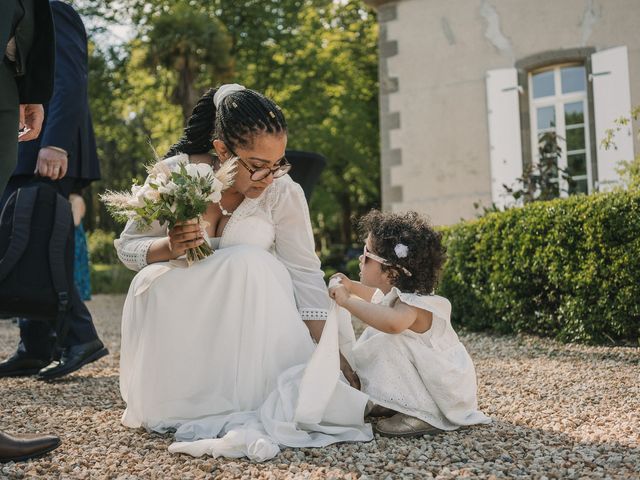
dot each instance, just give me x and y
(567, 268)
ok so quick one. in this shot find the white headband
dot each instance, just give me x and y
(224, 91)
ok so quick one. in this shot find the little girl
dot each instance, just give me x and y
(409, 359)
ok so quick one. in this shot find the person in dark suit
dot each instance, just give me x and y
(64, 155)
(26, 82)
(26, 74)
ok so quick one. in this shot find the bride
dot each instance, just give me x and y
(223, 351)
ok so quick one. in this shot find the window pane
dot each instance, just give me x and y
(573, 113)
(575, 139)
(546, 117)
(579, 186)
(573, 79)
(543, 84)
(577, 164)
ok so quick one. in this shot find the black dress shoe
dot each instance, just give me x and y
(73, 358)
(18, 447)
(21, 365)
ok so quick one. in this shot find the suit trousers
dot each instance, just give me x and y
(9, 117)
(37, 338)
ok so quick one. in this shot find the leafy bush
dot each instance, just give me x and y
(101, 249)
(341, 258)
(110, 278)
(566, 268)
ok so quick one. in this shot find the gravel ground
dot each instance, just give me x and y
(560, 411)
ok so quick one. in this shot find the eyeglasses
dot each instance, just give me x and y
(367, 254)
(258, 174)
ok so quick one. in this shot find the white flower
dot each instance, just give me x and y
(136, 201)
(173, 208)
(168, 188)
(214, 197)
(204, 169)
(401, 250)
(152, 194)
(217, 185)
(199, 170)
(160, 179)
(138, 195)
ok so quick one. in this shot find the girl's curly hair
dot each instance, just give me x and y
(426, 254)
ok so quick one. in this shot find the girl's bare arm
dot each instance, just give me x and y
(394, 319)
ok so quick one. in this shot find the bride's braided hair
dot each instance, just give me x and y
(240, 116)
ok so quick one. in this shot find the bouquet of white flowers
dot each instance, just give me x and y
(170, 196)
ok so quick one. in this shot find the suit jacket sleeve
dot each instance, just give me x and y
(36, 86)
(64, 113)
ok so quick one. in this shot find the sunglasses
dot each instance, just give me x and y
(367, 254)
(258, 174)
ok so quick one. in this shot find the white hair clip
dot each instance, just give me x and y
(401, 250)
(224, 91)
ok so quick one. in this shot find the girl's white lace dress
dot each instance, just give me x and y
(425, 375)
(219, 349)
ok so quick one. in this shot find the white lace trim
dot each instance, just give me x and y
(134, 256)
(314, 314)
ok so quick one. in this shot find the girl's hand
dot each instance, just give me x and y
(343, 279)
(340, 294)
(183, 236)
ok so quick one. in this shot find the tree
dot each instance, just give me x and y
(131, 119)
(316, 58)
(629, 170)
(193, 45)
(329, 90)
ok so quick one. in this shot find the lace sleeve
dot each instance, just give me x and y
(133, 244)
(295, 247)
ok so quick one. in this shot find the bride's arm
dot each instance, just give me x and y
(315, 328)
(295, 247)
(137, 248)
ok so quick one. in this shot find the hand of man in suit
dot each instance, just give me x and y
(52, 163)
(31, 118)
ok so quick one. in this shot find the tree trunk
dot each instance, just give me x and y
(345, 203)
(184, 93)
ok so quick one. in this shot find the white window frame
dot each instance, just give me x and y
(558, 101)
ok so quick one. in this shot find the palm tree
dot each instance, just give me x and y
(194, 44)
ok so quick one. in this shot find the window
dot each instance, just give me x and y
(558, 101)
(575, 93)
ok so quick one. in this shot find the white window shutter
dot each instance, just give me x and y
(611, 100)
(504, 132)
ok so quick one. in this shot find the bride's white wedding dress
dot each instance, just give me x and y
(219, 352)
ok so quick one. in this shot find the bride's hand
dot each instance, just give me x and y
(183, 236)
(348, 372)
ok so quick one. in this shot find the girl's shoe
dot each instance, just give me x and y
(374, 410)
(401, 425)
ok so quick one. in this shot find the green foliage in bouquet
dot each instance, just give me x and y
(172, 196)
